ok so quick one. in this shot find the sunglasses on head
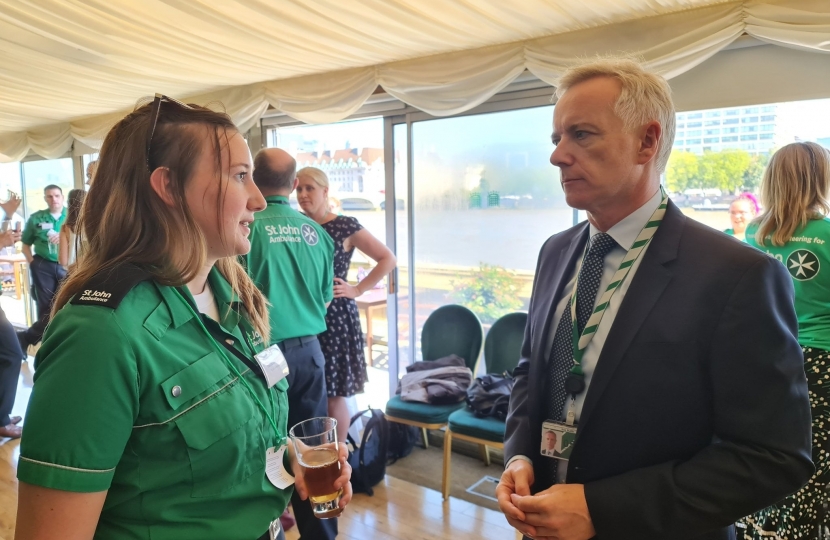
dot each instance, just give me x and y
(159, 99)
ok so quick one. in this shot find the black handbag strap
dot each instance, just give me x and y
(351, 421)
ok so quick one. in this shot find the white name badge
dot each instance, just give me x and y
(557, 440)
(274, 469)
(46, 226)
(273, 365)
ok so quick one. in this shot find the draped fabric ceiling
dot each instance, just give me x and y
(69, 69)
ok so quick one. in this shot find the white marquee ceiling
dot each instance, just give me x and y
(63, 60)
(70, 68)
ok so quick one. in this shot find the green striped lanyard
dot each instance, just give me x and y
(575, 383)
(229, 363)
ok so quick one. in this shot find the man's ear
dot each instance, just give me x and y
(296, 183)
(160, 182)
(650, 136)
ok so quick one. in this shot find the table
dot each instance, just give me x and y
(370, 300)
(20, 277)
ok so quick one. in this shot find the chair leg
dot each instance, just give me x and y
(424, 435)
(485, 454)
(445, 478)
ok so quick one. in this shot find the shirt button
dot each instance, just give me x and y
(176, 391)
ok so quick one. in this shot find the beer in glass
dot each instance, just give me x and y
(315, 445)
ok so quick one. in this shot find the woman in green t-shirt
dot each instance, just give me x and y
(795, 229)
(151, 415)
(741, 212)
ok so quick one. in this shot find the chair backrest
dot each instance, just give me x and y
(503, 346)
(450, 330)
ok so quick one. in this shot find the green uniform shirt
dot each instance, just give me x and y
(807, 257)
(36, 233)
(135, 399)
(292, 262)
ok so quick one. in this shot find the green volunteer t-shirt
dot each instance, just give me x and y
(37, 232)
(292, 262)
(807, 258)
(134, 398)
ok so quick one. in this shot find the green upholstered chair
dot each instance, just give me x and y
(448, 330)
(502, 351)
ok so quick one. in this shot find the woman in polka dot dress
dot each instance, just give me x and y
(795, 230)
(342, 342)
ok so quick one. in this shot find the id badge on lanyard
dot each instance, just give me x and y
(270, 363)
(557, 439)
(273, 365)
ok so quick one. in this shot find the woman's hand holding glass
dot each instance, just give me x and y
(343, 481)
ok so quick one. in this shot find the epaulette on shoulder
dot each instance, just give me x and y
(109, 287)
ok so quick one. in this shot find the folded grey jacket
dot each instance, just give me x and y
(438, 382)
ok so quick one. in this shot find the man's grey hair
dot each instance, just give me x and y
(645, 96)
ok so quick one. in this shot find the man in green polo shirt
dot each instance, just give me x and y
(292, 262)
(41, 232)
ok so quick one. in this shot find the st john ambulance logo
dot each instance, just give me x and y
(803, 265)
(309, 235)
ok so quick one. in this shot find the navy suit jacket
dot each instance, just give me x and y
(697, 412)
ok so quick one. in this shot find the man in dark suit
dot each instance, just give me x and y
(669, 346)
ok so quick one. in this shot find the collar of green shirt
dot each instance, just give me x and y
(48, 212)
(222, 292)
(276, 199)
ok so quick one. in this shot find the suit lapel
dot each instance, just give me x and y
(557, 276)
(647, 286)
(561, 273)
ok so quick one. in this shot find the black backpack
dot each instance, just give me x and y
(402, 439)
(368, 460)
(489, 395)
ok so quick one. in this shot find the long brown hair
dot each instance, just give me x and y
(75, 201)
(125, 221)
(794, 190)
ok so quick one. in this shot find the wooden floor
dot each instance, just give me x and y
(399, 510)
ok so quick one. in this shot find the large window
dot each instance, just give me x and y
(486, 199)
(39, 174)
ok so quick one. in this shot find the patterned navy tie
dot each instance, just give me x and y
(561, 358)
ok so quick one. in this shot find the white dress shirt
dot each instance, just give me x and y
(624, 233)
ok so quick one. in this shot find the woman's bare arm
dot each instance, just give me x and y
(63, 248)
(52, 514)
(375, 249)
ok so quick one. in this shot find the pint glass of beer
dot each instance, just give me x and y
(315, 443)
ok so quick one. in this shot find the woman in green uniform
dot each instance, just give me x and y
(155, 413)
(741, 212)
(795, 229)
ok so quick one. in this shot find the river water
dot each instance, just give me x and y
(510, 238)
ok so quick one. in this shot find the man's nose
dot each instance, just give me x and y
(559, 156)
